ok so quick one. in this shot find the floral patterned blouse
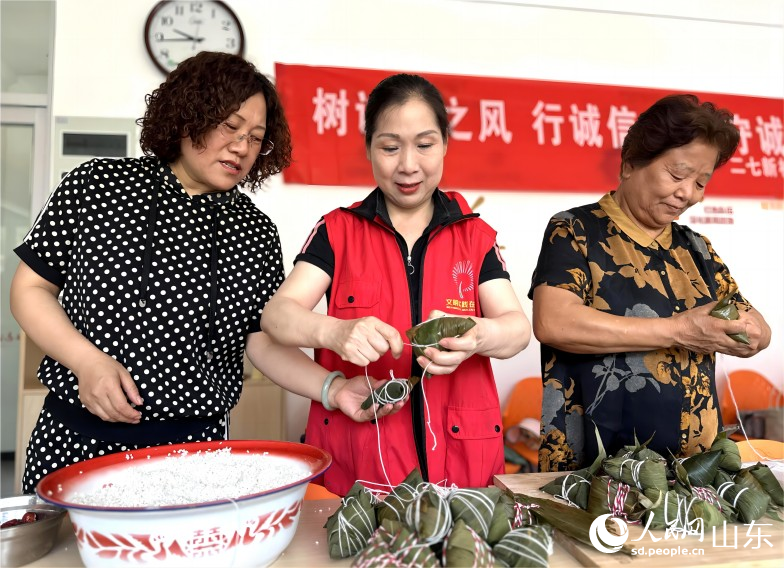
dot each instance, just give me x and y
(667, 395)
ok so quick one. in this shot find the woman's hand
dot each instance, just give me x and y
(362, 341)
(698, 331)
(348, 395)
(437, 362)
(105, 387)
(502, 331)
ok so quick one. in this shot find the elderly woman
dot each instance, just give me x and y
(622, 298)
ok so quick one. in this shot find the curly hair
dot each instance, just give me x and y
(677, 120)
(203, 91)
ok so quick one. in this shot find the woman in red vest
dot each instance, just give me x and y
(407, 253)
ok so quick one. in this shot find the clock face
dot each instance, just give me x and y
(179, 29)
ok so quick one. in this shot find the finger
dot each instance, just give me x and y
(129, 387)
(119, 409)
(378, 343)
(445, 358)
(354, 356)
(735, 326)
(393, 339)
(432, 368)
(365, 354)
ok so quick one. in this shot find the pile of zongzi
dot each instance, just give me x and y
(422, 524)
(689, 495)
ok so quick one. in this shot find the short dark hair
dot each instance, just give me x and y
(396, 90)
(677, 120)
(203, 91)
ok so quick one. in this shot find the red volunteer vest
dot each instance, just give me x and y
(463, 425)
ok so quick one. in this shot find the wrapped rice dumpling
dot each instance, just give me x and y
(429, 515)
(750, 504)
(475, 507)
(667, 511)
(350, 527)
(571, 521)
(681, 512)
(390, 392)
(726, 310)
(722, 477)
(648, 454)
(702, 468)
(642, 474)
(639, 451)
(464, 547)
(712, 496)
(730, 454)
(430, 332)
(525, 546)
(394, 505)
(611, 496)
(768, 481)
(573, 487)
(503, 518)
(393, 544)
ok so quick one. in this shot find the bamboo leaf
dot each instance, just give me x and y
(430, 332)
(701, 468)
(571, 521)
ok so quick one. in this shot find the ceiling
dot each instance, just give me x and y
(25, 37)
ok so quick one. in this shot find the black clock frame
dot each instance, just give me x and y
(151, 16)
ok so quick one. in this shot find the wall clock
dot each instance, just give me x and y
(178, 29)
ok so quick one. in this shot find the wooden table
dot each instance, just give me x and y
(683, 551)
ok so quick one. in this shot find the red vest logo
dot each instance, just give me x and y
(463, 277)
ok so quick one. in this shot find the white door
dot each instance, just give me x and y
(23, 190)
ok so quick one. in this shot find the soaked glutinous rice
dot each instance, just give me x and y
(185, 478)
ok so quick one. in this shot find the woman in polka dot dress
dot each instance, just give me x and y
(143, 279)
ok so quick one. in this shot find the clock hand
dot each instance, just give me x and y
(187, 37)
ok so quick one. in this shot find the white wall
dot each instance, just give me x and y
(721, 46)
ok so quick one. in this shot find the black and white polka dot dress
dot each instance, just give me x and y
(168, 284)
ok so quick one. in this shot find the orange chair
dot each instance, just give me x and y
(760, 450)
(314, 492)
(525, 401)
(752, 392)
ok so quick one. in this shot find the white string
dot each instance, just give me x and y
(634, 469)
(382, 399)
(565, 492)
(427, 409)
(472, 500)
(378, 431)
(740, 421)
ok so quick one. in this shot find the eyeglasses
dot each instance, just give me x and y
(229, 132)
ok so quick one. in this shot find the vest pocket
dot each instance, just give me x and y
(357, 294)
(474, 446)
(473, 423)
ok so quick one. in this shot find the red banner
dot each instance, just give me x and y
(514, 134)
